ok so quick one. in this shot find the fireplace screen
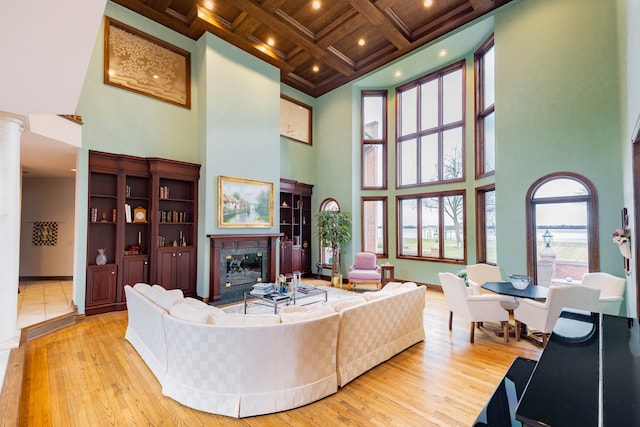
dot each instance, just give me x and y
(243, 269)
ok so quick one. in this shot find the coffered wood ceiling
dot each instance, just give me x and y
(325, 39)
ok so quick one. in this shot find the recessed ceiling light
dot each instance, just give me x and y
(315, 4)
(74, 170)
(270, 41)
(315, 68)
(208, 5)
(361, 42)
(442, 53)
(398, 73)
(428, 3)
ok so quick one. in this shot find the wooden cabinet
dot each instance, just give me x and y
(175, 269)
(163, 194)
(101, 287)
(295, 225)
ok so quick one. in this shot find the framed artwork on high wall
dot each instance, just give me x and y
(295, 120)
(141, 63)
(244, 203)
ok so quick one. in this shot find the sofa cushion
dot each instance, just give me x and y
(340, 304)
(247, 319)
(190, 313)
(166, 298)
(290, 314)
(374, 295)
(145, 289)
(391, 286)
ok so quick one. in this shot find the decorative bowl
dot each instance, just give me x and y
(520, 282)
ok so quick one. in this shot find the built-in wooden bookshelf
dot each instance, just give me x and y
(295, 225)
(125, 219)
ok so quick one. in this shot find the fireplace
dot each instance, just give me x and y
(238, 261)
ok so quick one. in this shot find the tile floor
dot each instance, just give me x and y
(43, 300)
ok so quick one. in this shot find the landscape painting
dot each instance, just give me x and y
(244, 203)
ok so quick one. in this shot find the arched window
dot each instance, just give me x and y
(562, 241)
(325, 253)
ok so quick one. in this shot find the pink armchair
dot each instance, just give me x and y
(365, 270)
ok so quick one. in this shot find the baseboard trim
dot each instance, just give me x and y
(37, 278)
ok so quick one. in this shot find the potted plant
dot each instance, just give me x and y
(334, 230)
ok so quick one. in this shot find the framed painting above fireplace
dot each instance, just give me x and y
(244, 203)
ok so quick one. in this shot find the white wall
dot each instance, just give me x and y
(47, 199)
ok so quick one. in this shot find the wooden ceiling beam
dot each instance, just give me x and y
(380, 21)
(159, 5)
(258, 13)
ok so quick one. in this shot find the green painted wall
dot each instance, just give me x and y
(557, 106)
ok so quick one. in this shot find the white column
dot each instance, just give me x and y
(10, 189)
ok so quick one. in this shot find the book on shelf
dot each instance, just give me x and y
(94, 215)
(127, 212)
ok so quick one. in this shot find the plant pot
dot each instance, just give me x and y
(336, 280)
(625, 249)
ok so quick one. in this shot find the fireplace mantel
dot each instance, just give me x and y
(222, 242)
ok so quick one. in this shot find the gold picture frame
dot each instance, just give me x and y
(143, 64)
(295, 120)
(244, 203)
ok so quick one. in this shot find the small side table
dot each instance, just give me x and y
(388, 273)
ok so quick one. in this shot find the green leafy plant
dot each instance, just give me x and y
(334, 230)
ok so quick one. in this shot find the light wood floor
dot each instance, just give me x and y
(88, 375)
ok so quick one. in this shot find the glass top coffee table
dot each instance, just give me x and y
(277, 299)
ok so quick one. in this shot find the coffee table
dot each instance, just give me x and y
(276, 299)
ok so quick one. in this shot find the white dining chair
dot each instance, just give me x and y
(542, 316)
(611, 291)
(475, 308)
(479, 274)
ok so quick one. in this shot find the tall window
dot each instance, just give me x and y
(486, 225)
(374, 139)
(326, 254)
(485, 109)
(374, 225)
(562, 228)
(431, 128)
(432, 226)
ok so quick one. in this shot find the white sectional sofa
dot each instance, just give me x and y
(243, 365)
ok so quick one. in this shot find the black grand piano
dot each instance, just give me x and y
(588, 376)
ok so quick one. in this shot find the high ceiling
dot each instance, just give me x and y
(317, 50)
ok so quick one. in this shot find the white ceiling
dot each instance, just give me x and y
(45, 48)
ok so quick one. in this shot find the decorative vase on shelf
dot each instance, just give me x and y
(101, 258)
(625, 249)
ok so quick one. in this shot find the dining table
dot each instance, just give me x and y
(534, 292)
(506, 288)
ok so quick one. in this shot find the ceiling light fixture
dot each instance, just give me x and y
(315, 68)
(270, 41)
(361, 42)
(315, 4)
(208, 5)
(442, 53)
(428, 3)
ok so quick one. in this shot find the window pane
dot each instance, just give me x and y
(560, 187)
(488, 65)
(452, 146)
(408, 227)
(429, 105)
(408, 151)
(452, 97)
(408, 116)
(453, 227)
(372, 156)
(430, 226)
(490, 226)
(567, 254)
(373, 226)
(490, 143)
(373, 117)
(429, 158)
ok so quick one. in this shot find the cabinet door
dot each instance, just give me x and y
(165, 269)
(305, 261)
(286, 249)
(135, 270)
(185, 271)
(101, 285)
(296, 260)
